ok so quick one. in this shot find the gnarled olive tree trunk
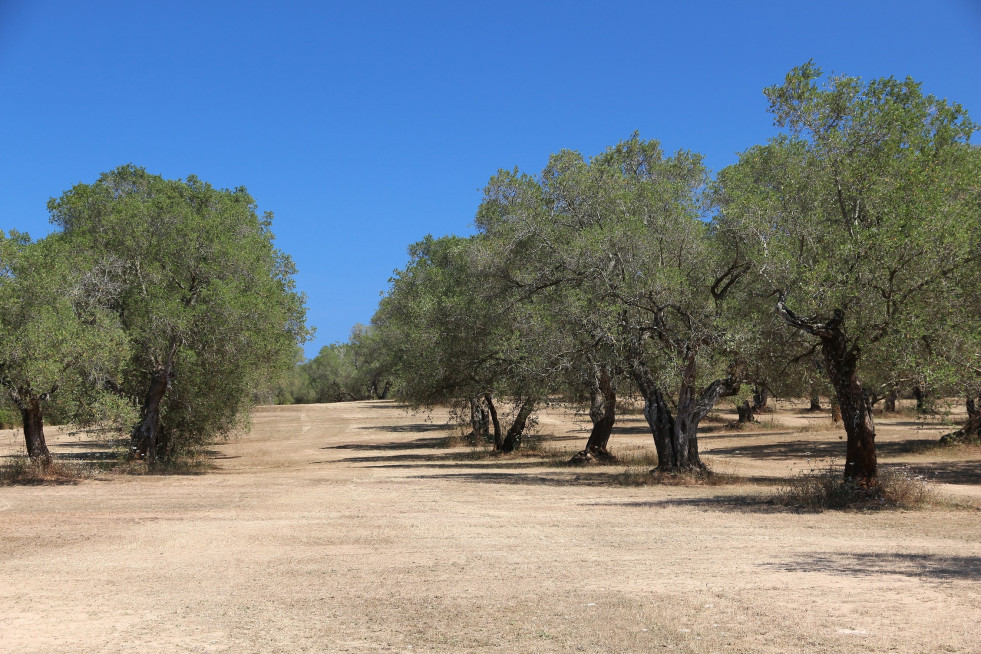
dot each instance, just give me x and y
(512, 440)
(145, 438)
(479, 419)
(603, 414)
(971, 429)
(30, 411)
(889, 402)
(676, 435)
(841, 365)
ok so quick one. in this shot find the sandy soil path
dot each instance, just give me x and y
(342, 528)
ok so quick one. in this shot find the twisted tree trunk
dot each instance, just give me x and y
(479, 419)
(971, 431)
(512, 440)
(676, 435)
(146, 433)
(841, 365)
(602, 412)
(30, 411)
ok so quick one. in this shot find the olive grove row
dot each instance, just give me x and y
(842, 254)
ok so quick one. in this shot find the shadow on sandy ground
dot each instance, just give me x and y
(408, 429)
(929, 566)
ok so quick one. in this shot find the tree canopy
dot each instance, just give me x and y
(207, 301)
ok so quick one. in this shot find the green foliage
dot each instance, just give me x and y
(60, 345)
(206, 300)
(865, 206)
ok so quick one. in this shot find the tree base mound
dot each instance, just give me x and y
(587, 457)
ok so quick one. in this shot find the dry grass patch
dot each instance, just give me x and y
(643, 476)
(22, 470)
(898, 488)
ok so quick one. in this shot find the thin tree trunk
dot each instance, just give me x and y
(37, 448)
(512, 440)
(495, 421)
(761, 399)
(835, 411)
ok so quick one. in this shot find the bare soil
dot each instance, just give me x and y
(354, 528)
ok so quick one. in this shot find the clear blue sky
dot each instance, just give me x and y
(366, 125)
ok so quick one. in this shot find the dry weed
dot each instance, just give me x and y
(23, 470)
(637, 476)
(898, 488)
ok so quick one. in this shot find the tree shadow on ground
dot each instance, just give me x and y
(600, 478)
(919, 566)
(725, 504)
(408, 429)
(511, 478)
(416, 444)
(804, 448)
(441, 461)
(380, 404)
(950, 472)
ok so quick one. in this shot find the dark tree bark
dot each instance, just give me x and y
(512, 440)
(146, 434)
(676, 435)
(971, 431)
(602, 412)
(381, 394)
(922, 402)
(745, 413)
(30, 411)
(479, 419)
(495, 421)
(889, 403)
(761, 399)
(841, 365)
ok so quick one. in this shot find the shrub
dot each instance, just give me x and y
(897, 488)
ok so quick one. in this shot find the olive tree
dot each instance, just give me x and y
(644, 281)
(452, 334)
(207, 301)
(58, 341)
(859, 218)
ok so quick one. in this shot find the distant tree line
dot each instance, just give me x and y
(841, 257)
(159, 308)
(340, 372)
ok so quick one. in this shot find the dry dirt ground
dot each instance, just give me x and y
(353, 528)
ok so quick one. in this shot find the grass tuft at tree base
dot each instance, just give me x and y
(898, 488)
